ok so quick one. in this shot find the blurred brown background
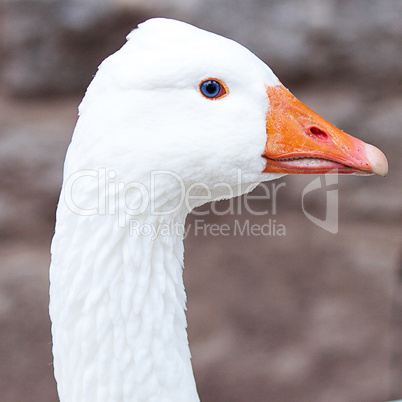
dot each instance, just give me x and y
(311, 316)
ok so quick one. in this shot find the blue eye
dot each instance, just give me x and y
(212, 89)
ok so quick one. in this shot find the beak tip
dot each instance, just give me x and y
(378, 161)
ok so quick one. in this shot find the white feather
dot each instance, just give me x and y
(117, 298)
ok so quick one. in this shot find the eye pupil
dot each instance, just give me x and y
(211, 88)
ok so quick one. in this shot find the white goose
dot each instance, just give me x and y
(201, 108)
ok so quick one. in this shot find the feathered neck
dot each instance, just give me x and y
(117, 304)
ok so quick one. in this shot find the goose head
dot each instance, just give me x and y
(180, 99)
(196, 109)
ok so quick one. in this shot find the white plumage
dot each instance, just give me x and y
(144, 137)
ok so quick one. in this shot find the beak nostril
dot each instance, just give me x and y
(317, 133)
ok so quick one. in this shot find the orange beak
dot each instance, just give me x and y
(302, 142)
